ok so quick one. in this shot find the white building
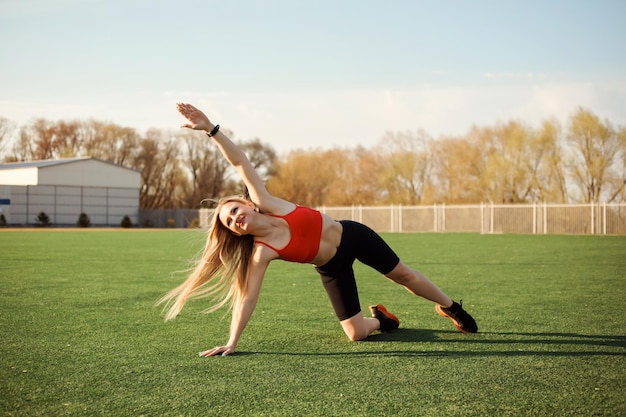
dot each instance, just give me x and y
(65, 188)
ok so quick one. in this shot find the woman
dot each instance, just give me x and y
(246, 235)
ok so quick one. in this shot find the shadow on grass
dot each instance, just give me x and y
(480, 344)
(425, 335)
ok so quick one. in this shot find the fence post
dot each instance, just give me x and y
(106, 193)
(592, 218)
(491, 218)
(545, 218)
(534, 217)
(482, 219)
(56, 205)
(27, 204)
(604, 218)
(443, 217)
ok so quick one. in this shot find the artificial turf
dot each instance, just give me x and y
(81, 335)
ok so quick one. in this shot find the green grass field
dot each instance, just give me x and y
(81, 335)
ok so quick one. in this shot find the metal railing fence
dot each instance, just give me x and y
(169, 218)
(63, 204)
(539, 218)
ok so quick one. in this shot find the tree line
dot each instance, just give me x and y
(510, 162)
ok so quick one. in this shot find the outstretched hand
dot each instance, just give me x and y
(197, 119)
(223, 350)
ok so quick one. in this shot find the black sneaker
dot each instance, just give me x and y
(461, 318)
(388, 321)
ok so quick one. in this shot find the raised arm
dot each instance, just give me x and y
(236, 158)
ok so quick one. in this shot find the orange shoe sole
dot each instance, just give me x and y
(443, 314)
(387, 313)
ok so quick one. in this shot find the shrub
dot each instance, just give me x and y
(148, 223)
(195, 223)
(83, 220)
(126, 222)
(171, 223)
(43, 219)
(3, 220)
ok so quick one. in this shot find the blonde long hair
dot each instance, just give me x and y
(221, 272)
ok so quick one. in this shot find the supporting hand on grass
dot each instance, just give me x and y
(224, 350)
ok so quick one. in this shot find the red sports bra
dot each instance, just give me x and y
(305, 225)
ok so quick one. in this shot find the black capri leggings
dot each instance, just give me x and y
(357, 242)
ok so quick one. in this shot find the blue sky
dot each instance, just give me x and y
(302, 74)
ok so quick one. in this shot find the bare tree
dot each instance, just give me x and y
(43, 139)
(407, 166)
(301, 178)
(7, 128)
(66, 139)
(596, 150)
(550, 166)
(337, 176)
(619, 188)
(457, 171)
(356, 178)
(160, 173)
(514, 154)
(261, 156)
(205, 166)
(110, 142)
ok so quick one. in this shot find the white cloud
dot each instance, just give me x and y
(344, 117)
(521, 76)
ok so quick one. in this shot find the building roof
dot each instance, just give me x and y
(55, 162)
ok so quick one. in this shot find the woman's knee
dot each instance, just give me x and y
(402, 274)
(356, 335)
(356, 328)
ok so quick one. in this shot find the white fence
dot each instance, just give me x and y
(589, 219)
(541, 218)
